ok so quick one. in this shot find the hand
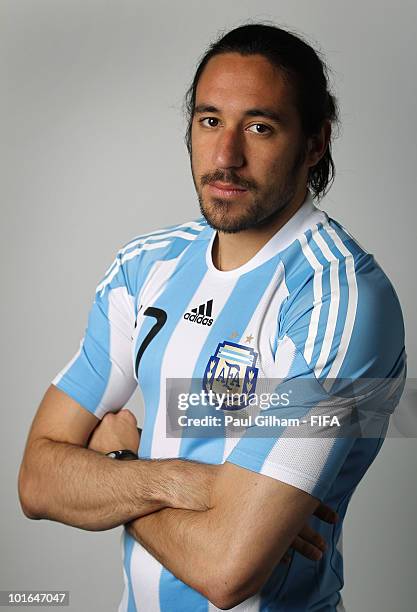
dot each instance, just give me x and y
(309, 543)
(115, 432)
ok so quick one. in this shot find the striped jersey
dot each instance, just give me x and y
(311, 305)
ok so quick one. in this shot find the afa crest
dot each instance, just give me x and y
(231, 370)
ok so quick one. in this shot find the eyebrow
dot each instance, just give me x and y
(250, 112)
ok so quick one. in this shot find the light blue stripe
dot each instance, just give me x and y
(87, 378)
(271, 590)
(144, 264)
(137, 243)
(170, 228)
(177, 294)
(128, 543)
(162, 238)
(176, 596)
(344, 298)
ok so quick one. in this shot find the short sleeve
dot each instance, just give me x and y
(100, 376)
(340, 352)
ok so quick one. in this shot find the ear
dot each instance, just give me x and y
(317, 144)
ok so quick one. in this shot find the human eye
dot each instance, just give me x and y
(259, 128)
(209, 122)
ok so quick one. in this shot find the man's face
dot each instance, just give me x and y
(247, 147)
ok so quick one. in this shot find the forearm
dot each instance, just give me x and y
(210, 552)
(184, 541)
(83, 488)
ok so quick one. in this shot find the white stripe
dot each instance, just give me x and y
(144, 239)
(145, 573)
(125, 597)
(180, 357)
(162, 233)
(351, 309)
(317, 298)
(145, 245)
(159, 275)
(121, 382)
(269, 368)
(60, 374)
(299, 461)
(334, 304)
(237, 356)
(172, 234)
(118, 262)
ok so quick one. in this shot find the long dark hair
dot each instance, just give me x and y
(305, 70)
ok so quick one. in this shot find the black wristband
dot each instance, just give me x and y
(123, 455)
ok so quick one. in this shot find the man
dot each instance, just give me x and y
(263, 287)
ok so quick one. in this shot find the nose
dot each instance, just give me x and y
(228, 151)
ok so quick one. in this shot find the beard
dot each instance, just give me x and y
(232, 217)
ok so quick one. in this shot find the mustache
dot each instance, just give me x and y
(228, 177)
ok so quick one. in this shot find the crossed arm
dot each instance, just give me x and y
(228, 551)
(219, 528)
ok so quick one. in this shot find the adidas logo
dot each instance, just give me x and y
(201, 315)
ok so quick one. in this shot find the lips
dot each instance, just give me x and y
(227, 186)
(226, 190)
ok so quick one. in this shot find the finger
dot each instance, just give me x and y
(306, 549)
(126, 412)
(312, 537)
(325, 513)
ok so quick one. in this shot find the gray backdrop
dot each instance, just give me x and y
(92, 154)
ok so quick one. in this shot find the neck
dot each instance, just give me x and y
(231, 251)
